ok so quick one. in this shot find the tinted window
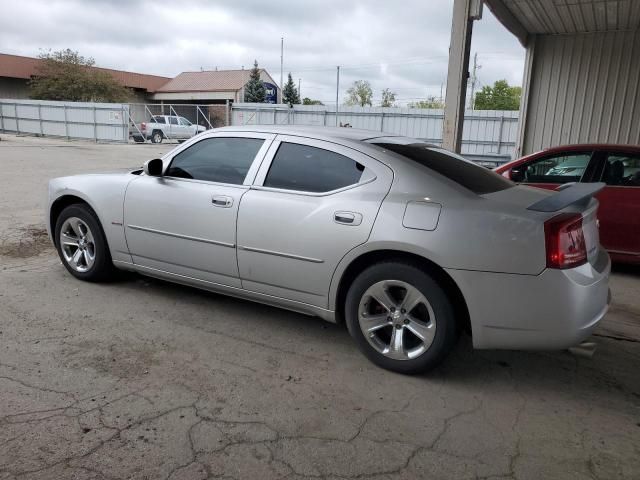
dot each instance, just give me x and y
(310, 169)
(557, 169)
(471, 176)
(157, 120)
(173, 120)
(622, 170)
(224, 160)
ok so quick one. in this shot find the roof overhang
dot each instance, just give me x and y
(218, 95)
(554, 17)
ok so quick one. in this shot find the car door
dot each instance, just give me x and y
(184, 222)
(312, 202)
(187, 129)
(619, 210)
(552, 170)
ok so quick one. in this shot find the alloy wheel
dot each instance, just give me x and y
(397, 319)
(77, 244)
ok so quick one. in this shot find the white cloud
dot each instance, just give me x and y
(400, 45)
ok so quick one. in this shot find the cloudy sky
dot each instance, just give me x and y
(401, 45)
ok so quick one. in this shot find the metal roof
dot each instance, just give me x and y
(524, 17)
(208, 81)
(15, 66)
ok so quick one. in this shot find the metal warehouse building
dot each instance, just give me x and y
(582, 70)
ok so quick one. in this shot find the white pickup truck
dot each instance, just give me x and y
(161, 127)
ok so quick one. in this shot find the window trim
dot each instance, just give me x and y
(369, 163)
(168, 158)
(541, 158)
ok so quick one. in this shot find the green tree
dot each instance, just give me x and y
(501, 96)
(290, 92)
(308, 101)
(388, 98)
(431, 102)
(254, 90)
(359, 93)
(67, 75)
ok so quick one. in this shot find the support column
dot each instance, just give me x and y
(464, 13)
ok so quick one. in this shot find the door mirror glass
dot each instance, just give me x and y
(153, 168)
(516, 175)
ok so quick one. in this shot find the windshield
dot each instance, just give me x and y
(479, 180)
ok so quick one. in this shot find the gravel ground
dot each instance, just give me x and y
(148, 380)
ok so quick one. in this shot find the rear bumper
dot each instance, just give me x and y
(555, 310)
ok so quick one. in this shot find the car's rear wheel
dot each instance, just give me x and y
(156, 137)
(138, 139)
(81, 244)
(400, 317)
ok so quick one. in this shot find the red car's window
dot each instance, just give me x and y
(622, 170)
(560, 168)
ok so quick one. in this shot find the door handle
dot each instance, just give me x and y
(347, 218)
(222, 201)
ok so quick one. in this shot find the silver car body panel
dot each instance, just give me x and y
(290, 249)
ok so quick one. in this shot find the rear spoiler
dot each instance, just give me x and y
(578, 193)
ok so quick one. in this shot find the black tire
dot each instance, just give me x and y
(156, 136)
(446, 326)
(102, 268)
(138, 139)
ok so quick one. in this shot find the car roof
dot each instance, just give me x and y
(311, 131)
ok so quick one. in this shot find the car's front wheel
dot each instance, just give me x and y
(81, 244)
(400, 317)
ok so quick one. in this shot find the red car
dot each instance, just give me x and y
(616, 165)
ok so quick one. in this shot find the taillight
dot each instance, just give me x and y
(564, 241)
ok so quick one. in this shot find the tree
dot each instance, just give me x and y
(254, 90)
(308, 101)
(499, 97)
(359, 93)
(67, 75)
(431, 102)
(388, 98)
(290, 92)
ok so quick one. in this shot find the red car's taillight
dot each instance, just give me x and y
(564, 241)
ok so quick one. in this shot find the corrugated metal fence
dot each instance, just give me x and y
(105, 122)
(489, 136)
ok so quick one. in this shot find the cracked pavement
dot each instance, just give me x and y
(142, 379)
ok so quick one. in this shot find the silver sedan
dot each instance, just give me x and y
(406, 243)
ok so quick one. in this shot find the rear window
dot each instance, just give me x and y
(157, 120)
(479, 180)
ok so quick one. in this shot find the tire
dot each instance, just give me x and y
(138, 139)
(392, 341)
(77, 229)
(156, 137)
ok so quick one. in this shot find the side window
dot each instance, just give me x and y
(622, 170)
(223, 160)
(556, 169)
(157, 120)
(185, 122)
(311, 169)
(173, 120)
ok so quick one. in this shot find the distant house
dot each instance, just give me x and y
(16, 71)
(206, 87)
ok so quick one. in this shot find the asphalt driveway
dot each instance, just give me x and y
(149, 380)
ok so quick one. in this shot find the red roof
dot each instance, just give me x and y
(15, 66)
(208, 81)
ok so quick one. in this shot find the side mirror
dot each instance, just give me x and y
(153, 168)
(517, 175)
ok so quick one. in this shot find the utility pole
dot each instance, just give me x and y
(474, 78)
(337, 91)
(281, 66)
